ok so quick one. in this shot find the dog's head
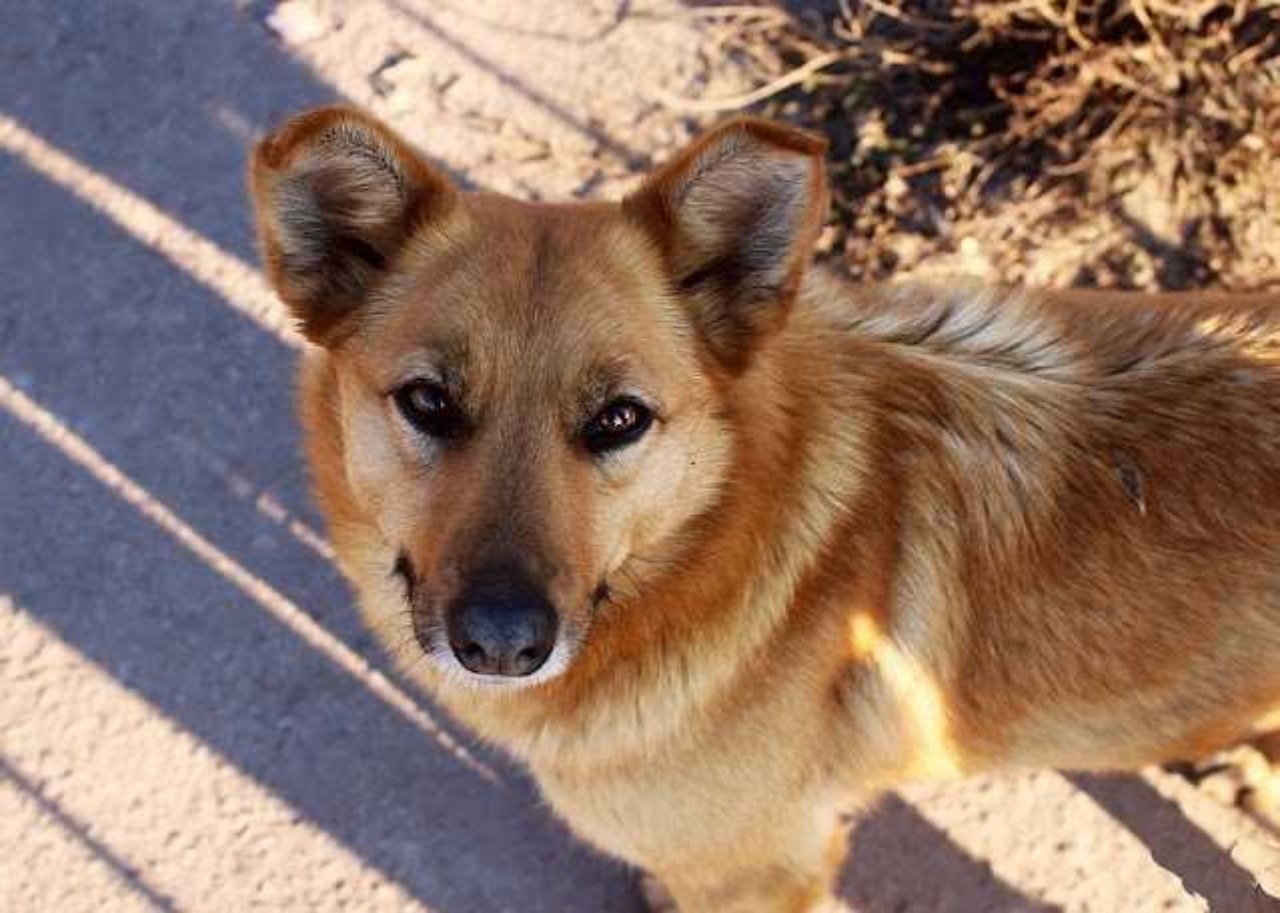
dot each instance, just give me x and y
(531, 398)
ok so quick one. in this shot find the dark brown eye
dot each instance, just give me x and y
(428, 407)
(623, 421)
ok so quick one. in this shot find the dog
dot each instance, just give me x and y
(720, 545)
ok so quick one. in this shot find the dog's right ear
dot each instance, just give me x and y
(337, 194)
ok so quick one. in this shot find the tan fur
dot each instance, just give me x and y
(877, 534)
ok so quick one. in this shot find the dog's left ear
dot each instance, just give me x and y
(736, 215)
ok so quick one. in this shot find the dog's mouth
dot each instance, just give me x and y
(433, 641)
(403, 570)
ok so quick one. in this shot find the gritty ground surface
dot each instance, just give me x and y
(190, 715)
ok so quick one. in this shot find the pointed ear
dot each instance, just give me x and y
(736, 215)
(337, 194)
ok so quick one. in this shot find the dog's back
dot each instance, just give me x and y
(1089, 516)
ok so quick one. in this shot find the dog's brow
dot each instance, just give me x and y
(612, 371)
(605, 378)
(444, 361)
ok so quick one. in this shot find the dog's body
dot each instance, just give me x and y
(873, 535)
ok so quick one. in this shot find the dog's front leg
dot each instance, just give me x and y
(781, 870)
(656, 897)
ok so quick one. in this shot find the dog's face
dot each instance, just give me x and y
(532, 399)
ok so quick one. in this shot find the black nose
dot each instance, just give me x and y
(502, 624)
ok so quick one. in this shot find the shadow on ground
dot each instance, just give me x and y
(1176, 844)
(900, 861)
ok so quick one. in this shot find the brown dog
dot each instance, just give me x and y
(718, 545)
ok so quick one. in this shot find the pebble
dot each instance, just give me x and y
(297, 22)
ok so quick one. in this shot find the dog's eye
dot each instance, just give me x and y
(618, 424)
(428, 407)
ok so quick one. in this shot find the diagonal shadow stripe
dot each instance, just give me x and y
(240, 285)
(138, 90)
(79, 832)
(899, 862)
(1176, 843)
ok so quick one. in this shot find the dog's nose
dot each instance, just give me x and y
(502, 624)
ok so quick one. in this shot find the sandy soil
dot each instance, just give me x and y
(190, 715)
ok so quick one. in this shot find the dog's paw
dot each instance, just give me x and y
(1247, 776)
(655, 895)
(1261, 795)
